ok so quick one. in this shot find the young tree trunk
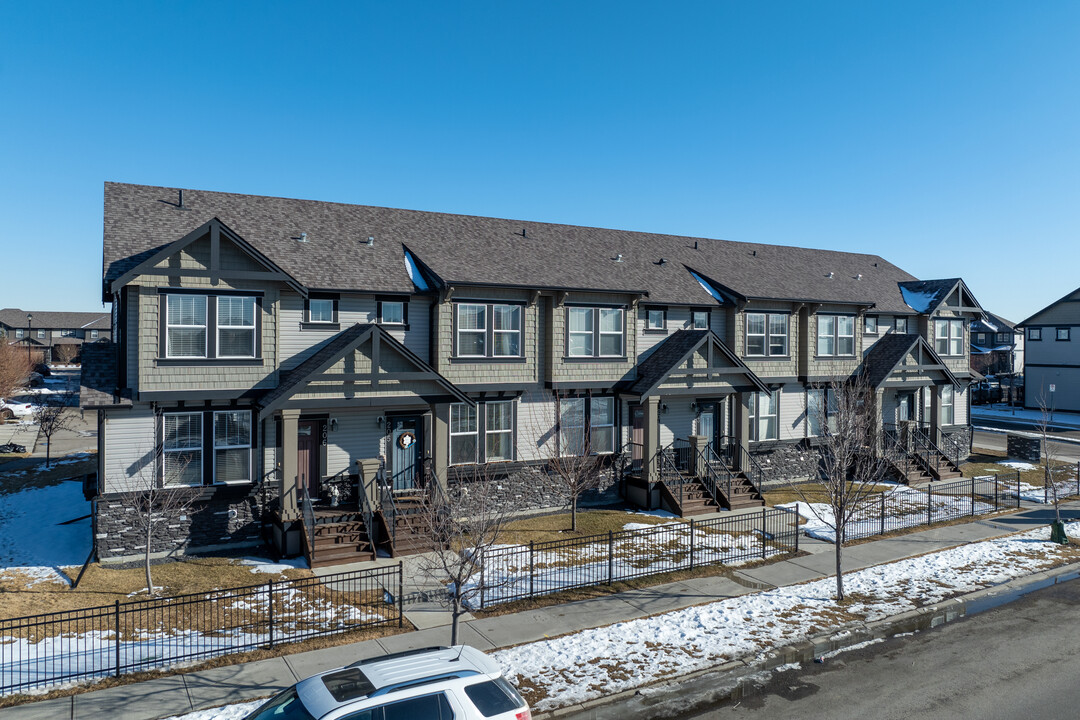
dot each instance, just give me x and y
(573, 514)
(455, 614)
(146, 562)
(839, 565)
(48, 452)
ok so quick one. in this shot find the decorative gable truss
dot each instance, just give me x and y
(361, 366)
(690, 361)
(899, 360)
(210, 251)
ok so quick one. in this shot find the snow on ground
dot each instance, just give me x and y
(33, 543)
(1043, 495)
(902, 503)
(641, 549)
(269, 567)
(226, 712)
(1020, 465)
(601, 661)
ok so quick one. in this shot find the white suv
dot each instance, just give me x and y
(459, 683)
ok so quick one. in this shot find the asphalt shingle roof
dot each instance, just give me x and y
(883, 356)
(46, 320)
(99, 381)
(462, 249)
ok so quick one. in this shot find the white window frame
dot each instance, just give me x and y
(193, 449)
(870, 325)
(248, 447)
(382, 312)
(482, 329)
(607, 399)
(835, 335)
(67, 332)
(519, 316)
(694, 315)
(472, 411)
(655, 319)
(233, 328)
(763, 336)
(311, 310)
(813, 410)
(948, 405)
(93, 334)
(949, 343)
(19, 333)
(40, 334)
(756, 416)
(596, 331)
(170, 325)
(488, 432)
(900, 324)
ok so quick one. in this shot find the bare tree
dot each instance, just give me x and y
(461, 534)
(66, 353)
(53, 413)
(14, 367)
(1049, 458)
(155, 505)
(569, 459)
(850, 467)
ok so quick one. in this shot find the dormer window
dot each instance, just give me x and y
(949, 337)
(200, 326)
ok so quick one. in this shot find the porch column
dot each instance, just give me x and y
(935, 413)
(741, 429)
(440, 441)
(290, 421)
(698, 443)
(651, 439)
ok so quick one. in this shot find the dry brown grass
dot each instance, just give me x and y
(103, 585)
(988, 464)
(811, 492)
(557, 527)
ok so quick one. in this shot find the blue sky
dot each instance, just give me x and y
(942, 136)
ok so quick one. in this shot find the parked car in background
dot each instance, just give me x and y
(33, 380)
(42, 369)
(10, 409)
(438, 683)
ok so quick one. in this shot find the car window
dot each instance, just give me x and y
(494, 697)
(427, 707)
(286, 706)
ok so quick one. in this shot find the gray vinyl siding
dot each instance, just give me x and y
(718, 321)
(1051, 351)
(678, 421)
(130, 441)
(678, 318)
(792, 412)
(535, 425)
(358, 437)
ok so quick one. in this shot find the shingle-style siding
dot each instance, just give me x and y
(955, 363)
(130, 444)
(131, 339)
(766, 367)
(564, 369)
(678, 318)
(832, 367)
(472, 371)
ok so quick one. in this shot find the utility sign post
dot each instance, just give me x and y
(1053, 387)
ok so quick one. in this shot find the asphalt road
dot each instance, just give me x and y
(1016, 661)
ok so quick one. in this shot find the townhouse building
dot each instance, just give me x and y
(309, 367)
(53, 336)
(1052, 366)
(997, 346)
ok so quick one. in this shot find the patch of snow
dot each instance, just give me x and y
(707, 286)
(1018, 465)
(269, 567)
(31, 535)
(919, 301)
(414, 272)
(225, 712)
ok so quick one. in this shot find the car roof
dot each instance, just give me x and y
(384, 674)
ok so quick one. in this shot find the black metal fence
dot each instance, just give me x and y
(908, 507)
(1062, 488)
(112, 640)
(525, 571)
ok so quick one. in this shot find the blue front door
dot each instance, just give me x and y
(405, 453)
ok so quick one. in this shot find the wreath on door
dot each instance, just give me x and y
(406, 440)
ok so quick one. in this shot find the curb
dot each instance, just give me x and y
(671, 697)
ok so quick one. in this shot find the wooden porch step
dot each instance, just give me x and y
(342, 556)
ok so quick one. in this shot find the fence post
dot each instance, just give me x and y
(532, 568)
(401, 593)
(116, 620)
(797, 533)
(929, 509)
(973, 496)
(996, 505)
(691, 543)
(270, 592)
(1017, 488)
(610, 556)
(882, 514)
(481, 583)
(764, 528)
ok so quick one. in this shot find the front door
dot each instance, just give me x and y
(307, 460)
(905, 407)
(405, 453)
(637, 438)
(707, 423)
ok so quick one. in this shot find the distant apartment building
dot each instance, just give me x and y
(1052, 367)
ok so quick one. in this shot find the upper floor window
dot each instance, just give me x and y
(699, 319)
(870, 325)
(1034, 334)
(236, 327)
(93, 334)
(322, 310)
(185, 322)
(1002, 338)
(182, 439)
(1063, 334)
(586, 425)
(766, 334)
(393, 312)
(67, 332)
(901, 325)
(595, 332)
(655, 319)
(488, 330)
(949, 337)
(19, 334)
(765, 415)
(836, 335)
(980, 338)
(40, 334)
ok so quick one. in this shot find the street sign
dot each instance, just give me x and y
(1053, 387)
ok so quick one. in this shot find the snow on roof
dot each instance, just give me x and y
(414, 272)
(919, 301)
(708, 288)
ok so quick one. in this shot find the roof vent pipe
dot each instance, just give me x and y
(695, 245)
(302, 238)
(370, 241)
(180, 204)
(830, 275)
(755, 253)
(618, 258)
(859, 276)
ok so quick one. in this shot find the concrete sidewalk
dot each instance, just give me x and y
(179, 694)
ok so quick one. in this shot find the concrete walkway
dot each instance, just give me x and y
(208, 688)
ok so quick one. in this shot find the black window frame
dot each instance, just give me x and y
(403, 300)
(308, 324)
(596, 333)
(211, 356)
(489, 332)
(481, 433)
(1057, 334)
(836, 336)
(646, 312)
(867, 320)
(1034, 334)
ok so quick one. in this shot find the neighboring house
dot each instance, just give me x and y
(1053, 355)
(54, 336)
(269, 350)
(997, 347)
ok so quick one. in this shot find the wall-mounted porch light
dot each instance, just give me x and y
(379, 420)
(333, 424)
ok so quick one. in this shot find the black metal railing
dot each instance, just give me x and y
(386, 502)
(525, 571)
(308, 514)
(40, 651)
(740, 459)
(715, 475)
(674, 465)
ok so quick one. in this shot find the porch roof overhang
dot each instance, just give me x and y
(665, 365)
(314, 368)
(884, 363)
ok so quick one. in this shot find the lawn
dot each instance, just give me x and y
(589, 522)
